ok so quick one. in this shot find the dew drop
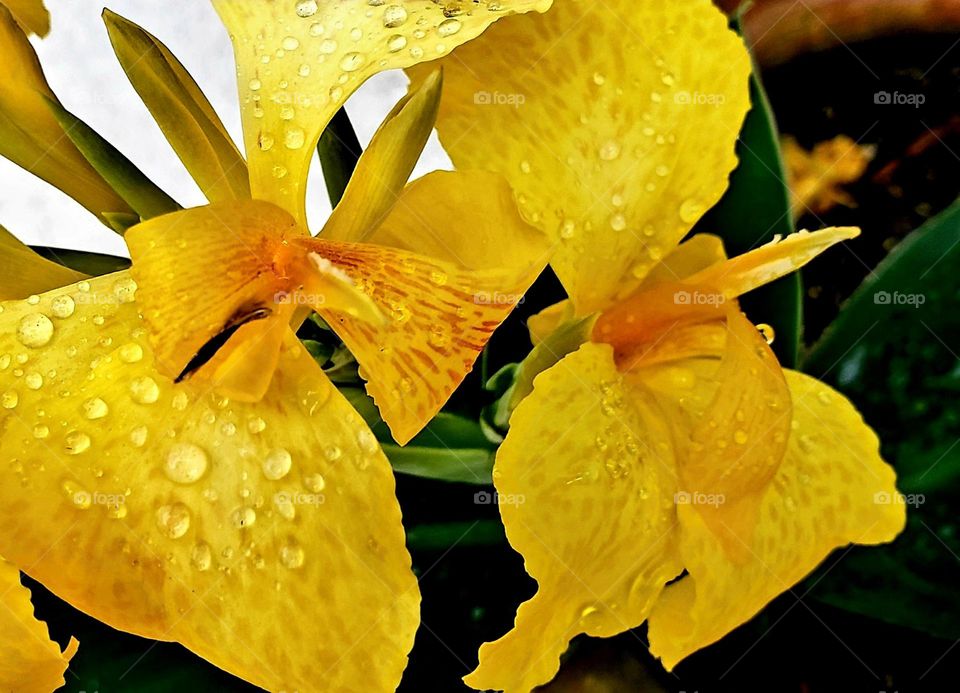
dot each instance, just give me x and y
(125, 290)
(95, 408)
(449, 27)
(690, 211)
(315, 483)
(173, 520)
(76, 443)
(292, 556)
(740, 437)
(138, 436)
(243, 517)
(33, 381)
(351, 61)
(394, 16)
(277, 464)
(290, 43)
(618, 222)
(35, 330)
(256, 425)
(397, 42)
(78, 496)
(367, 441)
(201, 557)
(144, 390)
(294, 138)
(62, 307)
(130, 353)
(186, 463)
(610, 150)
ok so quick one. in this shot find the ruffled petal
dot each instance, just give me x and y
(832, 489)
(30, 135)
(27, 273)
(299, 61)
(585, 487)
(30, 662)
(265, 538)
(615, 122)
(442, 301)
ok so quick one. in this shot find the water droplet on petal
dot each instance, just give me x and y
(173, 520)
(62, 307)
(351, 61)
(397, 42)
(690, 211)
(201, 557)
(35, 330)
(186, 463)
(449, 27)
(130, 353)
(610, 150)
(277, 464)
(292, 555)
(95, 408)
(767, 332)
(138, 436)
(76, 443)
(315, 482)
(394, 16)
(243, 517)
(294, 138)
(144, 390)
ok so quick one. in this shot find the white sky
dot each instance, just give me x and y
(83, 72)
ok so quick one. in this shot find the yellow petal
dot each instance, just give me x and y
(734, 419)
(765, 264)
(31, 15)
(30, 135)
(299, 61)
(27, 273)
(546, 322)
(688, 258)
(831, 489)
(265, 538)
(386, 165)
(205, 269)
(581, 479)
(30, 662)
(443, 300)
(615, 122)
(180, 108)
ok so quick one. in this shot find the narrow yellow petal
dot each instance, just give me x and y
(544, 323)
(445, 280)
(385, 166)
(746, 272)
(180, 108)
(31, 15)
(27, 273)
(832, 489)
(264, 537)
(616, 123)
(581, 479)
(30, 662)
(688, 258)
(30, 135)
(298, 63)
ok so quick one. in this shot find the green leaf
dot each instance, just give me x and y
(339, 151)
(754, 210)
(92, 264)
(893, 351)
(440, 537)
(176, 102)
(450, 448)
(138, 191)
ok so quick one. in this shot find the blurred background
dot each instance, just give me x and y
(866, 95)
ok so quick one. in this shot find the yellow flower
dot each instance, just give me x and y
(179, 466)
(671, 440)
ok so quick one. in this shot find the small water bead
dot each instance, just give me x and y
(307, 8)
(138, 436)
(279, 171)
(610, 150)
(292, 555)
(125, 290)
(824, 397)
(40, 431)
(294, 138)
(567, 229)
(130, 352)
(328, 46)
(449, 27)
(303, 70)
(265, 141)
(277, 464)
(394, 16)
(525, 166)
(315, 483)
(256, 425)
(284, 506)
(397, 42)
(367, 441)
(33, 300)
(76, 443)
(599, 79)
(662, 170)
(243, 517)
(290, 43)
(767, 332)
(201, 556)
(95, 408)
(690, 211)
(255, 84)
(33, 381)
(35, 330)
(98, 320)
(180, 401)
(332, 453)
(186, 463)
(144, 390)
(618, 222)
(740, 437)
(416, 52)
(5, 360)
(83, 287)
(173, 520)
(62, 307)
